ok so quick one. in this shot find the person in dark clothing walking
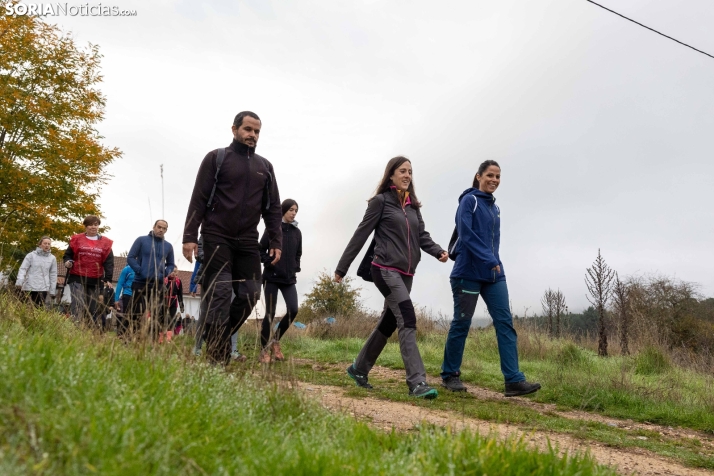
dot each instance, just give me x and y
(90, 262)
(152, 258)
(280, 277)
(399, 234)
(105, 305)
(228, 200)
(478, 270)
(174, 298)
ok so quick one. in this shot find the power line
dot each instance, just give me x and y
(651, 29)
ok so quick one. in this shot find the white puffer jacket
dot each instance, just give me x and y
(38, 272)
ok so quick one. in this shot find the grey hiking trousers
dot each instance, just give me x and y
(398, 314)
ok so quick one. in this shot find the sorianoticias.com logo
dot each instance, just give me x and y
(65, 9)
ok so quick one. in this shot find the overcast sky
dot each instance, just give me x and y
(600, 126)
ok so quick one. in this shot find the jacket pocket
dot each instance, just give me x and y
(465, 304)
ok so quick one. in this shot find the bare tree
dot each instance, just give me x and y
(559, 308)
(621, 301)
(547, 302)
(599, 280)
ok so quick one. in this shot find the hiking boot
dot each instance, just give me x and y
(238, 357)
(275, 350)
(521, 388)
(422, 390)
(453, 383)
(360, 380)
(264, 357)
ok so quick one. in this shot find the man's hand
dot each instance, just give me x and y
(117, 305)
(274, 253)
(338, 278)
(191, 249)
(443, 256)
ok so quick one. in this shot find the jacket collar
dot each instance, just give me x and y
(42, 252)
(479, 194)
(242, 149)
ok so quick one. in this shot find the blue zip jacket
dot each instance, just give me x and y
(124, 283)
(478, 224)
(151, 258)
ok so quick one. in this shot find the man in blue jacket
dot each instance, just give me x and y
(151, 258)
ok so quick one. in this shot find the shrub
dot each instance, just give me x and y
(329, 298)
(651, 361)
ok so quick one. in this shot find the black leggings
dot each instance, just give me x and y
(38, 298)
(271, 298)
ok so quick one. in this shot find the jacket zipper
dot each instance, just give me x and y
(493, 236)
(409, 241)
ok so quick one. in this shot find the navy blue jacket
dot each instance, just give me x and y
(151, 258)
(478, 223)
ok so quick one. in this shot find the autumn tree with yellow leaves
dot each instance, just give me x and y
(52, 160)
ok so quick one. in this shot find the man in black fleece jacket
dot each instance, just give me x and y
(245, 191)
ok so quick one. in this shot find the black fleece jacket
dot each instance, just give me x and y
(284, 270)
(240, 198)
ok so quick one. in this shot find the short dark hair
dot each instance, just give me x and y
(238, 121)
(92, 220)
(482, 168)
(161, 219)
(287, 205)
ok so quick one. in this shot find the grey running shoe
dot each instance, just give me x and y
(238, 357)
(422, 390)
(360, 380)
(521, 388)
(197, 352)
(453, 383)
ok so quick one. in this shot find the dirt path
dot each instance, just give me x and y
(385, 414)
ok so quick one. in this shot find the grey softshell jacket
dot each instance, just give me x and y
(400, 236)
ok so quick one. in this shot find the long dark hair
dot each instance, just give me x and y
(482, 168)
(386, 181)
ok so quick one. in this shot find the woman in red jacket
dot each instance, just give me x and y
(90, 262)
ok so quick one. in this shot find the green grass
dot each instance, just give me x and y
(644, 388)
(73, 403)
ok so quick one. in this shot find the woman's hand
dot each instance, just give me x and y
(338, 278)
(497, 269)
(443, 256)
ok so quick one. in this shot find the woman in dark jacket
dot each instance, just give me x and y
(393, 214)
(280, 277)
(478, 271)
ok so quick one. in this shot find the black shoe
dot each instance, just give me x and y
(422, 390)
(360, 380)
(521, 388)
(453, 383)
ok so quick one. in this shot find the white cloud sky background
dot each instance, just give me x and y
(599, 125)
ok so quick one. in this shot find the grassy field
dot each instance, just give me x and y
(74, 403)
(644, 387)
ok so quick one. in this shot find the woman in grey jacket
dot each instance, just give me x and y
(393, 214)
(38, 273)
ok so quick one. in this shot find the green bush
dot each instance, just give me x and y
(328, 298)
(651, 361)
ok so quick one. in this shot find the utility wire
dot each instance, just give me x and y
(651, 29)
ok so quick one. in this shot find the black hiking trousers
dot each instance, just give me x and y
(232, 267)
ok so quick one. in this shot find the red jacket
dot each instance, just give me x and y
(90, 257)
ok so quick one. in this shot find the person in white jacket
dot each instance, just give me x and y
(38, 273)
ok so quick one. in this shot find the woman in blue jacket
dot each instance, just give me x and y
(478, 270)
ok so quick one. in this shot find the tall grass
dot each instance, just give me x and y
(76, 403)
